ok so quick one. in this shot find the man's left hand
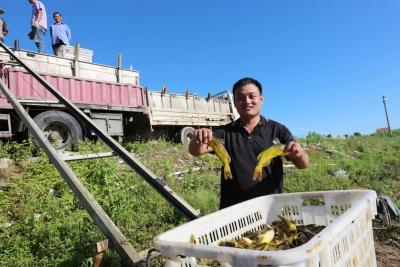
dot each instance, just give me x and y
(294, 150)
(297, 155)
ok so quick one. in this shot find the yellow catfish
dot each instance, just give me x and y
(223, 156)
(265, 157)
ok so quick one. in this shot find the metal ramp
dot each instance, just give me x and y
(118, 241)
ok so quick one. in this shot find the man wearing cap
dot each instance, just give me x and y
(3, 27)
(39, 24)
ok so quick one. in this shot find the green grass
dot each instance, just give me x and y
(43, 224)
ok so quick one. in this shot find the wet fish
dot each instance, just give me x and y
(223, 156)
(265, 157)
(281, 234)
(266, 237)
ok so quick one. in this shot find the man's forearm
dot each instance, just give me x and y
(301, 162)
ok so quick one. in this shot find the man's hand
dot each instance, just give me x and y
(36, 24)
(199, 143)
(203, 135)
(297, 155)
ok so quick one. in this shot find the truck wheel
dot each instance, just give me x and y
(60, 128)
(186, 134)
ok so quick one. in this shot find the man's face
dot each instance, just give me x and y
(57, 18)
(31, 1)
(248, 101)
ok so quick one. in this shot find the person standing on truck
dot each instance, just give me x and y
(39, 24)
(59, 32)
(3, 26)
(244, 139)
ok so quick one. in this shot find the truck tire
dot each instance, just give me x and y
(186, 134)
(60, 128)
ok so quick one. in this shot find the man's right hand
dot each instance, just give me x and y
(36, 24)
(203, 135)
(199, 143)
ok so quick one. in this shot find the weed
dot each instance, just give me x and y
(43, 224)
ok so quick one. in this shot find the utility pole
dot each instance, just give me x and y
(384, 98)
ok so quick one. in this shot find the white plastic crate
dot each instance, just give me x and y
(67, 51)
(346, 240)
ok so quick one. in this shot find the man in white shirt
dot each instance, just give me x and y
(39, 24)
(3, 27)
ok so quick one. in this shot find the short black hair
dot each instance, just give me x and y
(57, 13)
(245, 81)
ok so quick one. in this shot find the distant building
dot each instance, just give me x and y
(338, 136)
(382, 130)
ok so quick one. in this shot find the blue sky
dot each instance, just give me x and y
(324, 65)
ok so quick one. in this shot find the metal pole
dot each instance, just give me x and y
(384, 98)
(76, 70)
(119, 68)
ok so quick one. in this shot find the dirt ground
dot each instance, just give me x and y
(387, 245)
(386, 255)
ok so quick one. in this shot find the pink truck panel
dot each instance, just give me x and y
(24, 86)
